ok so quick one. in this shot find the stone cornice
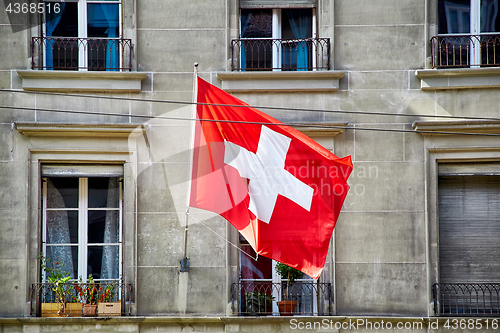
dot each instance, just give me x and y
(459, 78)
(78, 129)
(457, 127)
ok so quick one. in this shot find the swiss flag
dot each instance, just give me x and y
(278, 187)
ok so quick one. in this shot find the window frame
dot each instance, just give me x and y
(83, 243)
(276, 29)
(82, 12)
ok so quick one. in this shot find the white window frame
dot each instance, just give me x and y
(82, 27)
(83, 243)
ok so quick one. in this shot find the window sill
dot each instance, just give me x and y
(458, 78)
(81, 81)
(280, 81)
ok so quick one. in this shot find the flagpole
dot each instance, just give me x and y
(185, 260)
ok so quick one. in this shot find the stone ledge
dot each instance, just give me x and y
(81, 81)
(277, 81)
(78, 130)
(457, 127)
(458, 78)
(323, 129)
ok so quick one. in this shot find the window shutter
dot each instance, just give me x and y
(60, 170)
(249, 4)
(469, 225)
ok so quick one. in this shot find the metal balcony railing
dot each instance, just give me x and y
(265, 54)
(93, 54)
(73, 294)
(256, 298)
(466, 299)
(449, 51)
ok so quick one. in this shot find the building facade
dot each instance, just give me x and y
(94, 161)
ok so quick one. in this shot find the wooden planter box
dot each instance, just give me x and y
(109, 309)
(70, 310)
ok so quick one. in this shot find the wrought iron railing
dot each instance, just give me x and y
(265, 54)
(259, 298)
(448, 51)
(71, 295)
(93, 54)
(467, 299)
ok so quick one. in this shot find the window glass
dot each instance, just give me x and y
(251, 269)
(102, 20)
(61, 19)
(64, 257)
(256, 23)
(103, 192)
(296, 23)
(454, 17)
(490, 19)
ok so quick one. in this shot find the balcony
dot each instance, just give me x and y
(112, 299)
(455, 51)
(467, 299)
(92, 54)
(252, 298)
(265, 54)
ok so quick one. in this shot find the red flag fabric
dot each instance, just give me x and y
(278, 187)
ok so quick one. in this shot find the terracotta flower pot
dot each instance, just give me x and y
(89, 310)
(287, 308)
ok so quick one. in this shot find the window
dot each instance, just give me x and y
(469, 229)
(260, 285)
(82, 221)
(83, 34)
(277, 38)
(468, 33)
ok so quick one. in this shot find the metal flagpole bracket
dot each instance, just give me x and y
(185, 265)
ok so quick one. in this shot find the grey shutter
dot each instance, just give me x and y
(100, 170)
(277, 4)
(469, 226)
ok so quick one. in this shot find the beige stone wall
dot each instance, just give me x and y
(381, 259)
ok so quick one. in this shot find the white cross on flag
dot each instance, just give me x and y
(278, 187)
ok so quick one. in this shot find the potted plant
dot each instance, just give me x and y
(87, 292)
(59, 288)
(258, 303)
(108, 305)
(287, 307)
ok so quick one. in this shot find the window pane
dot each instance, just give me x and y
(256, 23)
(61, 19)
(102, 20)
(251, 269)
(296, 24)
(103, 226)
(103, 192)
(66, 258)
(490, 20)
(62, 227)
(454, 16)
(103, 262)
(62, 192)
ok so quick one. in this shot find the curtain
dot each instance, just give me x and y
(52, 20)
(111, 14)
(300, 27)
(245, 18)
(58, 230)
(110, 255)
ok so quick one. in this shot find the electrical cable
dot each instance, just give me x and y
(355, 127)
(277, 108)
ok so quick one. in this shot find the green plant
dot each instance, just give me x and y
(57, 277)
(258, 302)
(107, 294)
(87, 291)
(289, 273)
